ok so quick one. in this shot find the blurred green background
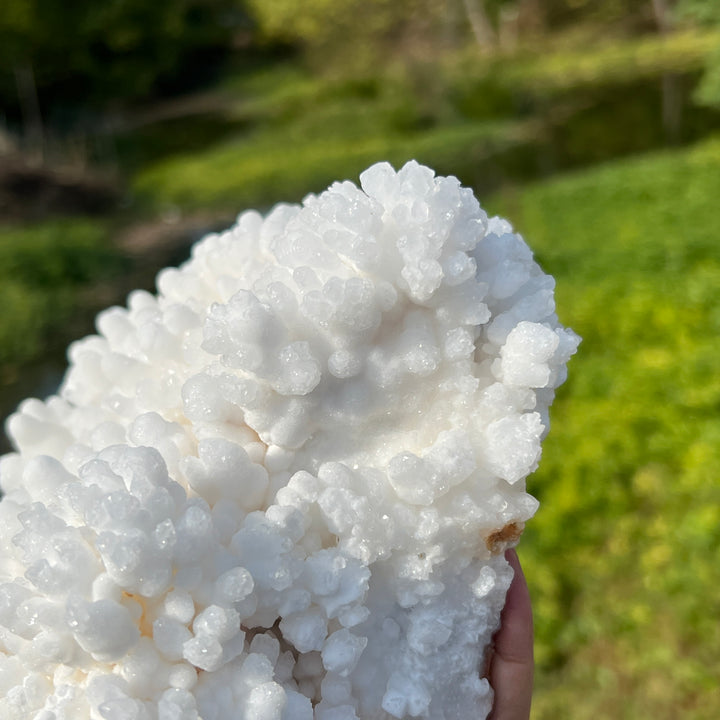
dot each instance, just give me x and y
(129, 128)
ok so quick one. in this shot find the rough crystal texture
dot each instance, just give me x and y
(281, 488)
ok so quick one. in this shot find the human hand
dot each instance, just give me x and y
(511, 665)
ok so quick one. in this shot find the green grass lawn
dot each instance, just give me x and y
(611, 62)
(624, 555)
(267, 166)
(44, 269)
(485, 120)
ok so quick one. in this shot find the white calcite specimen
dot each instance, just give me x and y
(281, 489)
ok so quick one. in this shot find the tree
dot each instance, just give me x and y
(354, 32)
(90, 52)
(345, 30)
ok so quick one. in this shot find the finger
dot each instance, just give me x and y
(511, 671)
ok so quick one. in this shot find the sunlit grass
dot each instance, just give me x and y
(624, 555)
(297, 132)
(610, 62)
(43, 270)
(266, 167)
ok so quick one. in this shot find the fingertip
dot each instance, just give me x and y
(512, 666)
(512, 557)
(518, 607)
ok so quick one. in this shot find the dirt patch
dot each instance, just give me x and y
(500, 540)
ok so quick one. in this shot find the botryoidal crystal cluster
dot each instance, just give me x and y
(281, 488)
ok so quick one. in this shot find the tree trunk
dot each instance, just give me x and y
(508, 27)
(480, 23)
(30, 108)
(671, 82)
(663, 19)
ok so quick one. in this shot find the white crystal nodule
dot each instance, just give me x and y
(282, 487)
